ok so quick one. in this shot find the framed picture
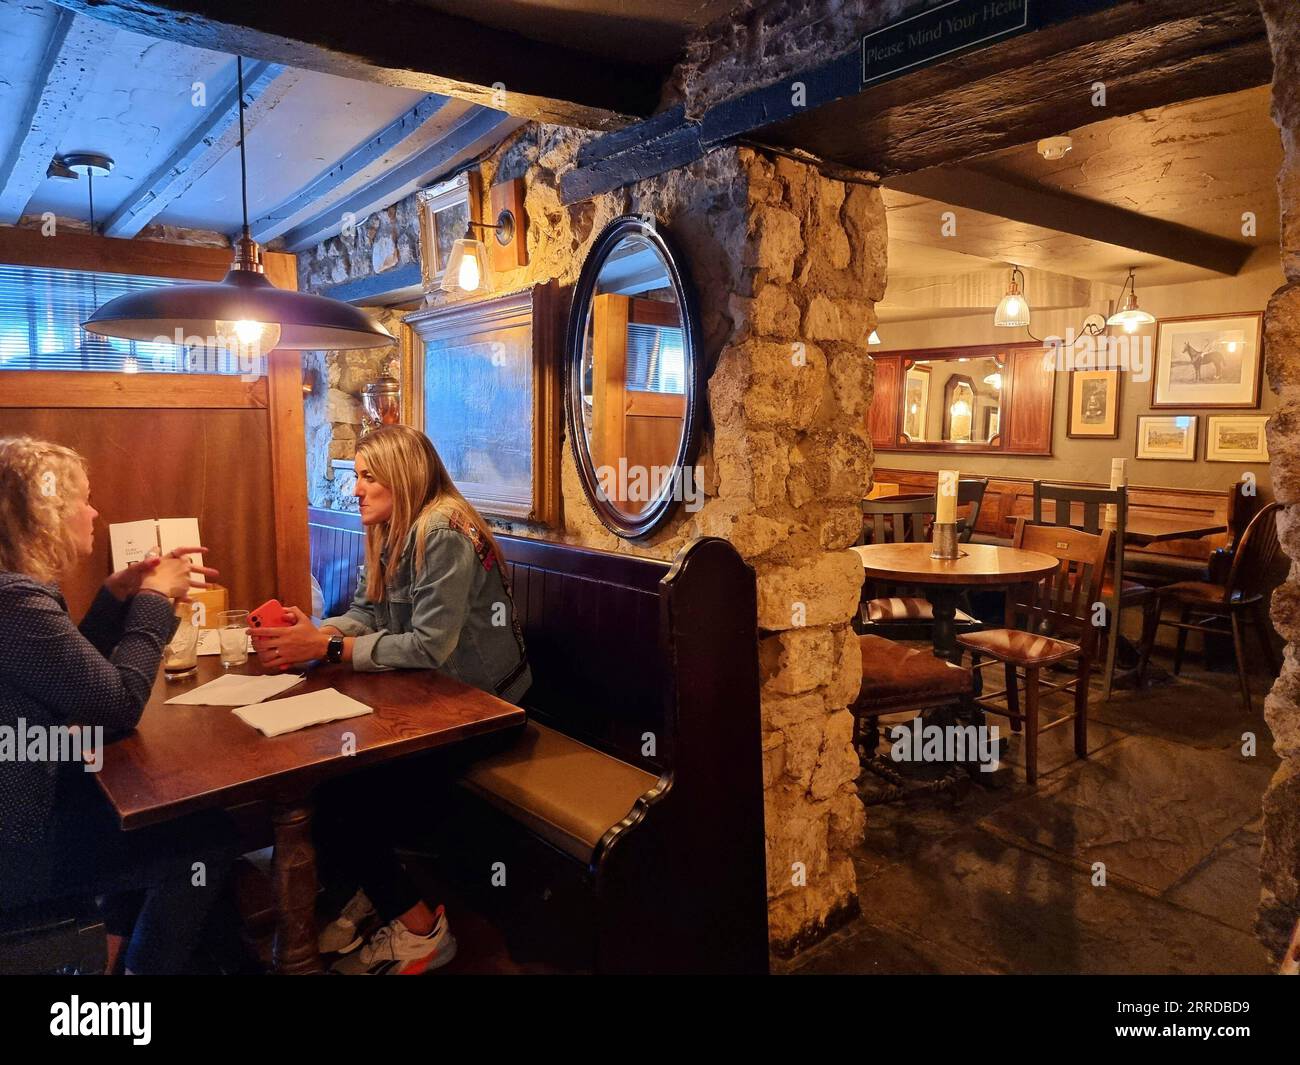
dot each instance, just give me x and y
(1172, 438)
(1208, 362)
(1094, 404)
(445, 212)
(485, 389)
(1236, 438)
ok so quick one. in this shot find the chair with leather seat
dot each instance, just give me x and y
(1239, 599)
(909, 520)
(903, 681)
(1082, 508)
(1058, 606)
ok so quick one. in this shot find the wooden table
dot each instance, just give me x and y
(1142, 530)
(978, 566)
(186, 758)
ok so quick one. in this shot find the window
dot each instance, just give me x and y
(41, 311)
(655, 361)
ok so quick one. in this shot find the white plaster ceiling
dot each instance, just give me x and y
(137, 106)
(1198, 164)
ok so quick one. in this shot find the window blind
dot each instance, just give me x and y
(655, 360)
(41, 311)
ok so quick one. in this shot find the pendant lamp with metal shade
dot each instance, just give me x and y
(243, 312)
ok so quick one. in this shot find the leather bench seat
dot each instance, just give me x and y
(895, 677)
(564, 791)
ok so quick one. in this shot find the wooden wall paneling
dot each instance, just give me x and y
(31, 389)
(170, 463)
(111, 255)
(882, 415)
(1030, 401)
(550, 320)
(1007, 498)
(289, 478)
(338, 549)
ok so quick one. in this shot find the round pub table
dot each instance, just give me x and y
(943, 580)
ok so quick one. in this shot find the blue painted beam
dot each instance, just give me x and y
(73, 53)
(283, 217)
(208, 141)
(479, 129)
(395, 285)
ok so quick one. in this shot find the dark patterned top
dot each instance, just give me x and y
(54, 673)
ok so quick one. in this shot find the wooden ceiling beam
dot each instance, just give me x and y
(405, 44)
(963, 187)
(1017, 89)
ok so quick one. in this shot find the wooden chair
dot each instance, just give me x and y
(897, 520)
(1241, 508)
(1058, 605)
(1082, 508)
(903, 681)
(1240, 598)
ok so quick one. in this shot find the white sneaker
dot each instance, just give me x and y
(343, 935)
(395, 950)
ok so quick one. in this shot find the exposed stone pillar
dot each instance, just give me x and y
(1280, 857)
(793, 461)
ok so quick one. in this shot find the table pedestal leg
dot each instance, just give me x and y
(944, 602)
(294, 949)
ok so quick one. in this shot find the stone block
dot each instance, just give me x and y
(822, 590)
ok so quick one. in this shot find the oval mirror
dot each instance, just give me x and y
(635, 378)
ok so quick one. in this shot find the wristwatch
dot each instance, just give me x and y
(335, 651)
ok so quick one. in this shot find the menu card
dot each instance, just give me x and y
(1118, 479)
(946, 510)
(133, 541)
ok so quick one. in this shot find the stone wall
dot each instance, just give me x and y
(787, 265)
(1280, 857)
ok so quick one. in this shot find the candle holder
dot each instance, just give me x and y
(944, 541)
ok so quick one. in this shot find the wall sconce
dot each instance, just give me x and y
(874, 339)
(469, 267)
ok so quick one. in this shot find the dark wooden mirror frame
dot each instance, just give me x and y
(1025, 409)
(657, 513)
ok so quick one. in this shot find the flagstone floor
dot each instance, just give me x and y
(1006, 879)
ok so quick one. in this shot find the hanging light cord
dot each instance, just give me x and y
(243, 163)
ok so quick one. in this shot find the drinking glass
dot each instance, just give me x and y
(232, 631)
(182, 656)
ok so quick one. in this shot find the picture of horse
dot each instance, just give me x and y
(1210, 361)
(1207, 358)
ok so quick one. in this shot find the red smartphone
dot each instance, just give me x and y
(270, 615)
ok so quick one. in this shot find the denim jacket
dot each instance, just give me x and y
(455, 615)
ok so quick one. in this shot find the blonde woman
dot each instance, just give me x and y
(433, 595)
(58, 837)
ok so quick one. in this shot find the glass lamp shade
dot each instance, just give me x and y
(874, 338)
(1013, 311)
(246, 305)
(467, 267)
(1130, 315)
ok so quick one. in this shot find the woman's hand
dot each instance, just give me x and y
(127, 582)
(170, 577)
(291, 645)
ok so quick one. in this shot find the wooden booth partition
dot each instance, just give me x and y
(228, 451)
